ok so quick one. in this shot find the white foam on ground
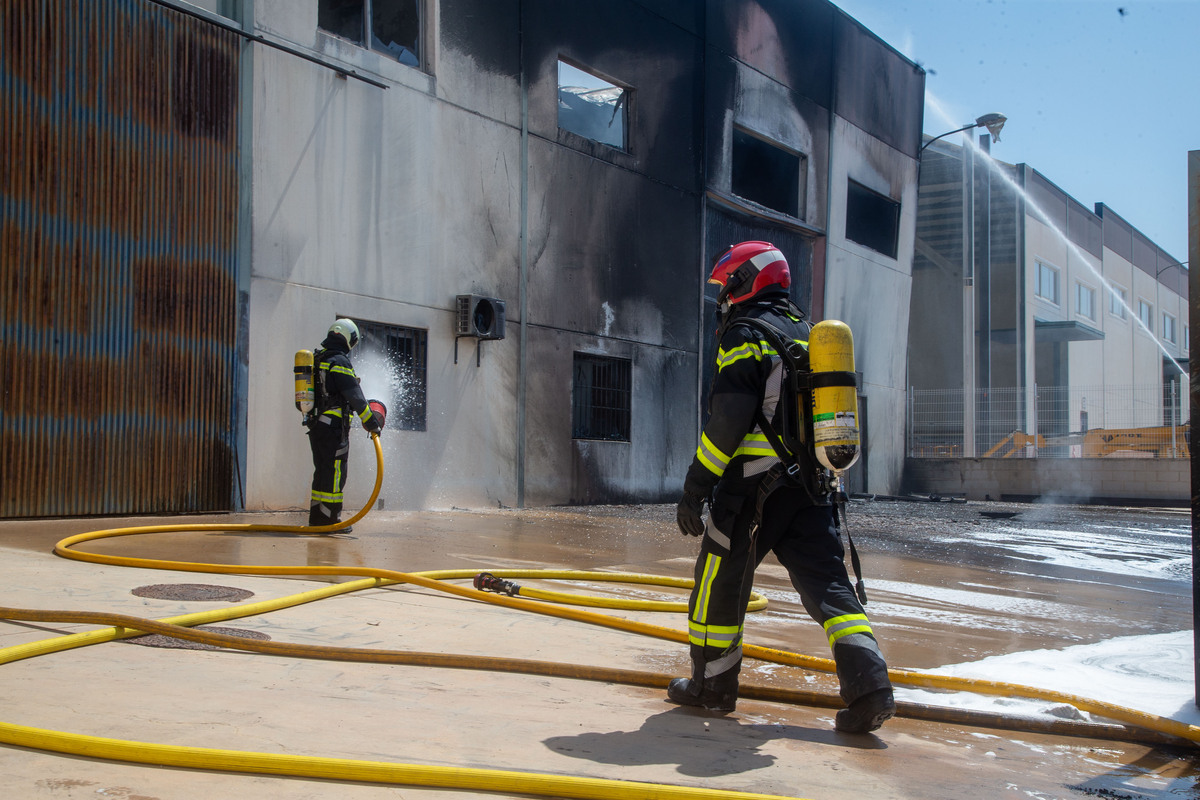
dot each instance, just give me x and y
(1152, 674)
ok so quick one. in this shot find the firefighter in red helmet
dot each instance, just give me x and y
(756, 507)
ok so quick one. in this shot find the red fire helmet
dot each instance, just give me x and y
(747, 268)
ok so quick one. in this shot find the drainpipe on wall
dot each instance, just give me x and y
(1193, 179)
(523, 299)
(245, 147)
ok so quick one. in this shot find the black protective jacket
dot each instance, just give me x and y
(338, 394)
(734, 449)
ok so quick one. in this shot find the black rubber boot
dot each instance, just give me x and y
(867, 713)
(317, 520)
(685, 692)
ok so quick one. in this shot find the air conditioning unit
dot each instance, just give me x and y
(480, 317)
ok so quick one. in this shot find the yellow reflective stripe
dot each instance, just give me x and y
(699, 631)
(337, 474)
(755, 444)
(712, 565)
(833, 637)
(333, 412)
(727, 357)
(845, 625)
(342, 370)
(365, 414)
(711, 456)
(756, 349)
(713, 635)
(328, 497)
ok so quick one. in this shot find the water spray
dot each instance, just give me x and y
(994, 166)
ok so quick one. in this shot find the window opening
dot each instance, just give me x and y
(592, 107)
(1168, 328)
(1085, 301)
(601, 392)
(392, 367)
(1146, 315)
(872, 219)
(1118, 298)
(394, 25)
(768, 174)
(1046, 283)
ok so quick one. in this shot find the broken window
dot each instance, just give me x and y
(592, 107)
(388, 26)
(768, 174)
(601, 391)
(872, 219)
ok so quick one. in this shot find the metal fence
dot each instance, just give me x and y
(1131, 421)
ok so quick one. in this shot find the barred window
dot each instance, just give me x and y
(399, 353)
(600, 398)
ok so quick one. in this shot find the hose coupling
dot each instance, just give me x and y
(487, 582)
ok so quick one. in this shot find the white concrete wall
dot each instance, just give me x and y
(1129, 354)
(349, 182)
(870, 292)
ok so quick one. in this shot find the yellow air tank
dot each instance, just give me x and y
(305, 392)
(835, 401)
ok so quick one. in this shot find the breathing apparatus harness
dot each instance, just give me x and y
(795, 433)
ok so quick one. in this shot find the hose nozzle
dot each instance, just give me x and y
(487, 582)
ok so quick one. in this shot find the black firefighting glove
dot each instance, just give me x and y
(372, 425)
(687, 514)
(697, 490)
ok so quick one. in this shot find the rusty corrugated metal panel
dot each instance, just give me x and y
(118, 259)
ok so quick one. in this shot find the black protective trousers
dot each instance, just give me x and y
(329, 439)
(805, 540)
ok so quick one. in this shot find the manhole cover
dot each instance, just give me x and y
(158, 640)
(192, 591)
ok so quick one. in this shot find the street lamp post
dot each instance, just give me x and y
(993, 122)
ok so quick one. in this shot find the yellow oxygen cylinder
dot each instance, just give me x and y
(835, 401)
(305, 392)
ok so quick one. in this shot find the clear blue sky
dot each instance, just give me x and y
(1102, 96)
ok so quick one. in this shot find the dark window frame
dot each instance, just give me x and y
(872, 219)
(578, 110)
(359, 21)
(754, 157)
(601, 397)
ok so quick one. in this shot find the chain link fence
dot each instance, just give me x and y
(1131, 421)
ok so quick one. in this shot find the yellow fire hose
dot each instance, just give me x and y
(1147, 728)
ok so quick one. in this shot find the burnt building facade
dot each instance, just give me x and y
(518, 201)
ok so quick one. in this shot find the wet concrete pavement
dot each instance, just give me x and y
(948, 583)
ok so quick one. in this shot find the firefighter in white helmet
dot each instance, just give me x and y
(756, 507)
(337, 396)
